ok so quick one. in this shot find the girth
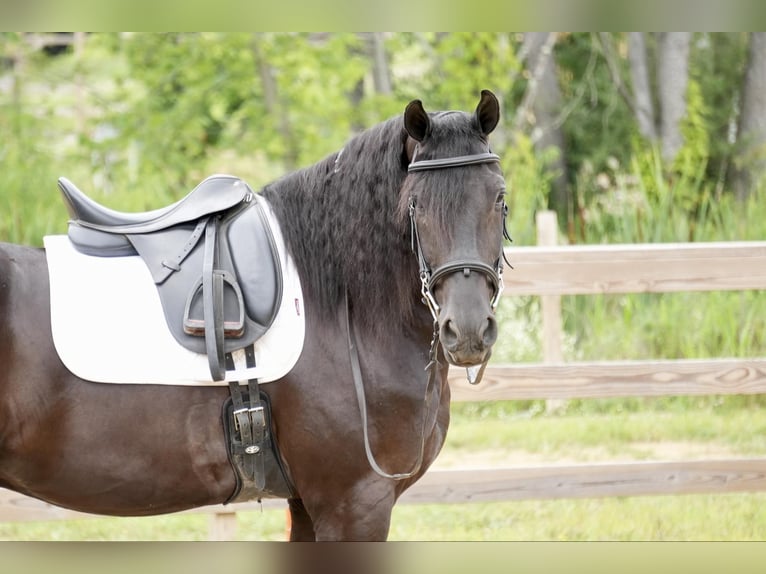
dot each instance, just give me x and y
(252, 449)
(212, 256)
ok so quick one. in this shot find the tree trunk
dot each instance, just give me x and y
(751, 166)
(272, 104)
(545, 104)
(643, 104)
(380, 72)
(673, 75)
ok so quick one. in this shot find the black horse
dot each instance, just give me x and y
(411, 211)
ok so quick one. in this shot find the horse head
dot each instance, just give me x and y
(455, 197)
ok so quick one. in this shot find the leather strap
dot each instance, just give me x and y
(258, 422)
(240, 412)
(458, 161)
(466, 266)
(212, 299)
(356, 372)
(174, 264)
(250, 421)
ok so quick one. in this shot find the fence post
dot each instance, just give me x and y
(550, 305)
(223, 526)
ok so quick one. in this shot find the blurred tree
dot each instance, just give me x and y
(642, 100)
(668, 86)
(272, 103)
(540, 108)
(751, 167)
(380, 70)
(672, 80)
(374, 48)
(154, 113)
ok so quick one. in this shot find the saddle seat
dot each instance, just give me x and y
(211, 254)
(216, 193)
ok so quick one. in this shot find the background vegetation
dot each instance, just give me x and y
(591, 128)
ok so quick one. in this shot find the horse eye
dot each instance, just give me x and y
(500, 200)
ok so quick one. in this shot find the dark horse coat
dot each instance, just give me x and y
(348, 221)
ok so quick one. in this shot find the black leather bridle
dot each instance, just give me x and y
(429, 277)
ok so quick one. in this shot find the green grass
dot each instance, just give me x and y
(268, 525)
(686, 517)
(491, 426)
(656, 518)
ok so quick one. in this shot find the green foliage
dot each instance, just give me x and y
(27, 211)
(528, 185)
(138, 119)
(691, 160)
(452, 68)
(185, 94)
(598, 125)
(717, 64)
(28, 163)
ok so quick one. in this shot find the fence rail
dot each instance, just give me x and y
(603, 379)
(644, 268)
(551, 271)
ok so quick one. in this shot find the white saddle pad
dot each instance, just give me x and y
(108, 324)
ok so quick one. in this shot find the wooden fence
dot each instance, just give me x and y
(551, 271)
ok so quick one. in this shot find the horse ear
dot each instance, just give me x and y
(487, 112)
(416, 121)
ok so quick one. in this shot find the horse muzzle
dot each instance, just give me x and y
(467, 324)
(468, 342)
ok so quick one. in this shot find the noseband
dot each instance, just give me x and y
(429, 277)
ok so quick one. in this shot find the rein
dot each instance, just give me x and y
(429, 279)
(356, 371)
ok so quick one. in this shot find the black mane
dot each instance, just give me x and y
(343, 226)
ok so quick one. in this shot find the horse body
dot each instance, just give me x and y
(150, 449)
(108, 449)
(144, 449)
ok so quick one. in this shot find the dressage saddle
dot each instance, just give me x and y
(212, 256)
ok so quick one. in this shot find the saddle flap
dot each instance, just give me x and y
(248, 261)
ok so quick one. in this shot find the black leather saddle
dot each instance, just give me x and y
(212, 256)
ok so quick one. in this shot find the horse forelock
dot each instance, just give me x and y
(452, 134)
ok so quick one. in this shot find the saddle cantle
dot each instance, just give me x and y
(212, 256)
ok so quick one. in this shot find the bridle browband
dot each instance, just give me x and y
(425, 164)
(429, 279)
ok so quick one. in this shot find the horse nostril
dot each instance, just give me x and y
(489, 336)
(449, 334)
